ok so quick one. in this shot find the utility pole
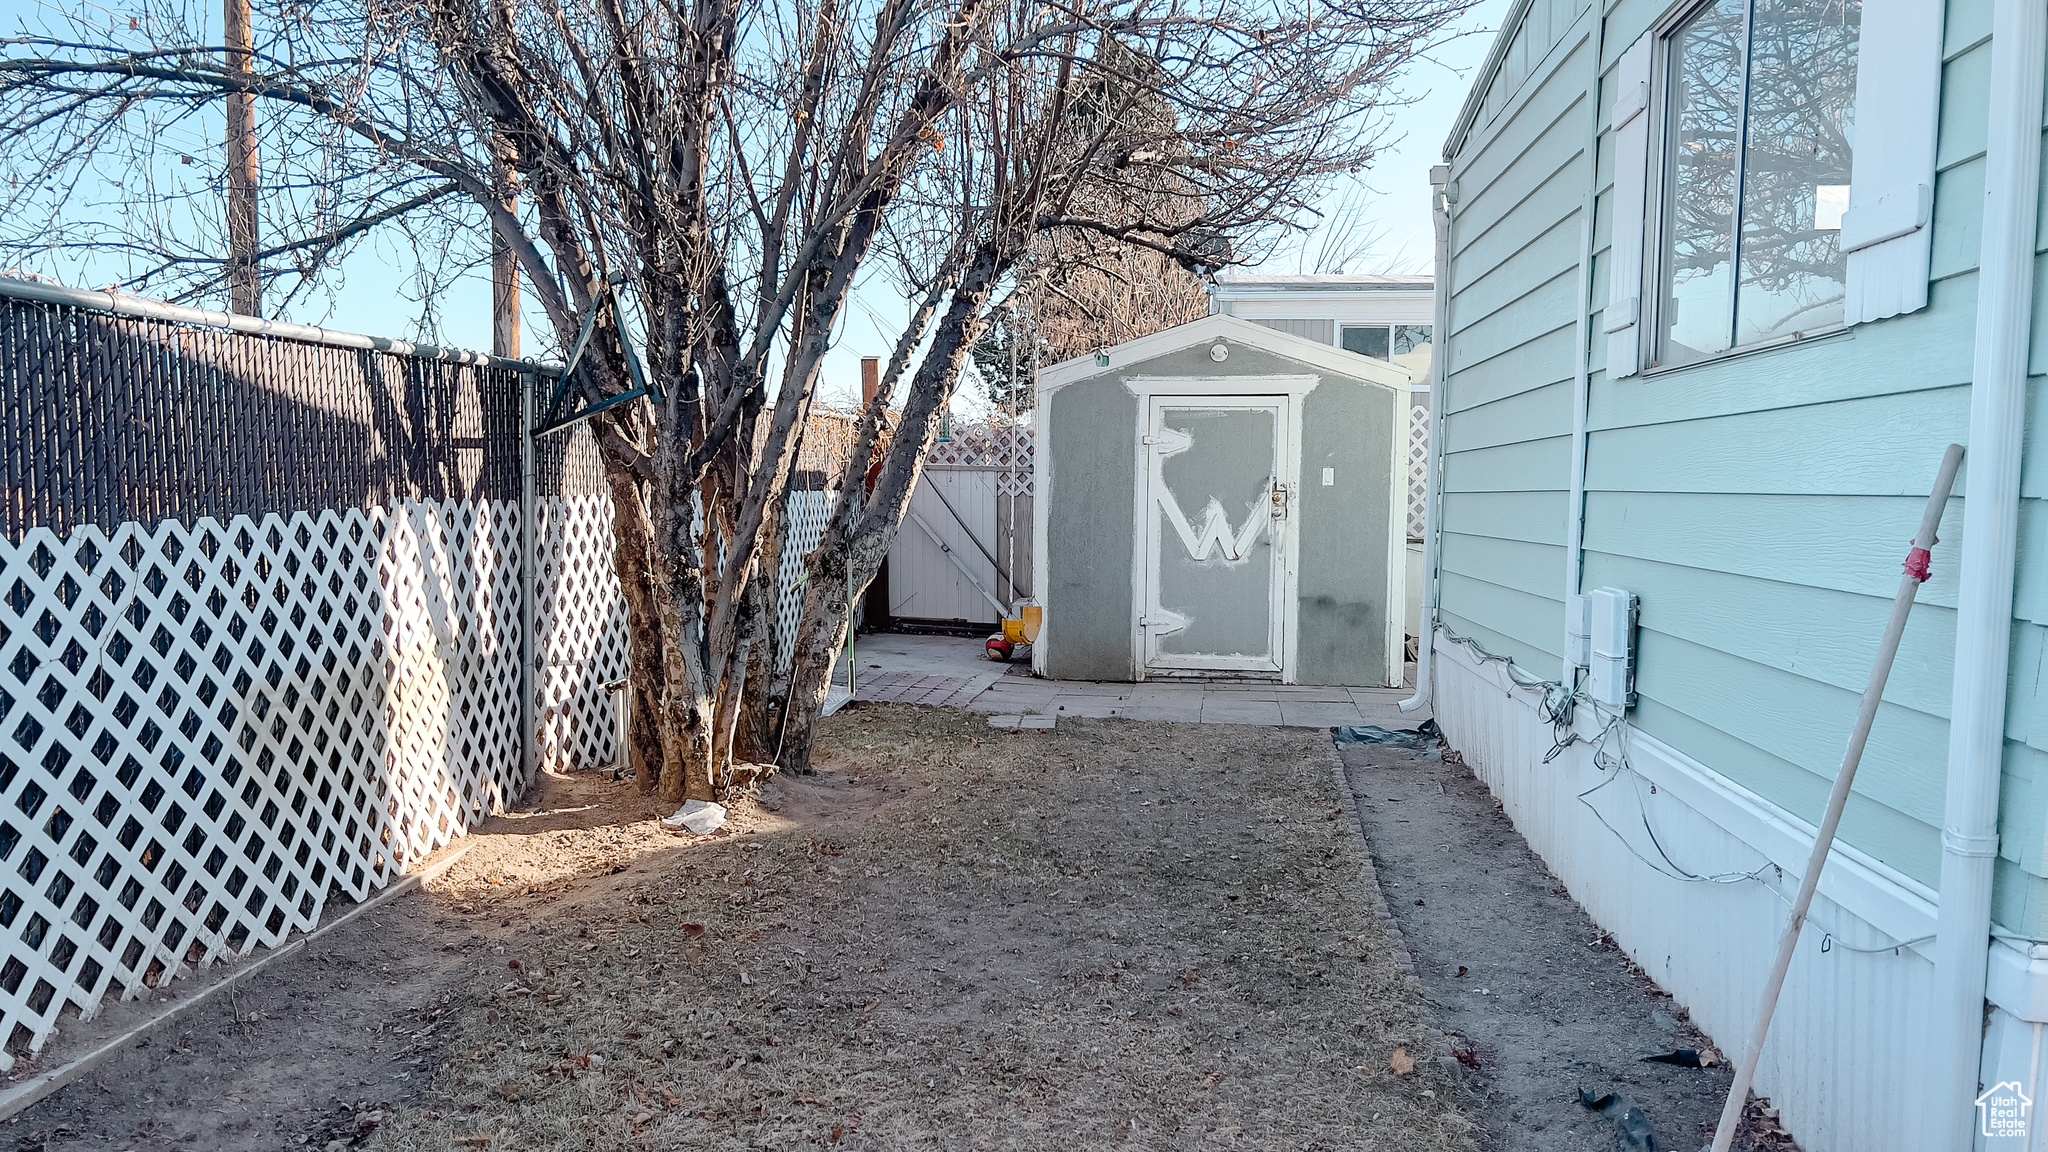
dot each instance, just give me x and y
(245, 289)
(504, 265)
(504, 283)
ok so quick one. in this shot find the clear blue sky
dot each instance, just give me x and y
(1391, 198)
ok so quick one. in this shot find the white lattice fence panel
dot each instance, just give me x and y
(1005, 452)
(451, 574)
(1418, 467)
(208, 731)
(580, 641)
(804, 527)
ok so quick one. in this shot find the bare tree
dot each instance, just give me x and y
(1080, 291)
(728, 167)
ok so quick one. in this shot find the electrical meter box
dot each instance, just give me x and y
(1612, 614)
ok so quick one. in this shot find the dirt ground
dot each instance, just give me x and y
(1108, 934)
(1534, 993)
(322, 1047)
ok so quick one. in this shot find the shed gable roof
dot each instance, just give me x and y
(1210, 329)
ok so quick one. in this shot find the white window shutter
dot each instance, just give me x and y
(1629, 125)
(1888, 230)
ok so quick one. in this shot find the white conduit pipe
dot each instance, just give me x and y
(1976, 732)
(1440, 338)
(1575, 512)
(1582, 371)
(2033, 1138)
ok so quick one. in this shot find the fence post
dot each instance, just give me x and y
(529, 744)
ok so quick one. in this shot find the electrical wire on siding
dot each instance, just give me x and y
(1558, 705)
(1558, 702)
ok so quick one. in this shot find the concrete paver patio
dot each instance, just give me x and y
(952, 670)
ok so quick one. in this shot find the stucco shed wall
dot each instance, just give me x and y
(1350, 562)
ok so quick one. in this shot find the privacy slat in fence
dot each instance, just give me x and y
(114, 419)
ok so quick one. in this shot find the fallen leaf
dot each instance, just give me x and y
(1466, 1056)
(1401, 1062)
(1462, 969)
(692, 931)
(1710, 1056)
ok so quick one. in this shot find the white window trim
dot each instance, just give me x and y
(1629, 238)
(1888, 231)
(1886, 234)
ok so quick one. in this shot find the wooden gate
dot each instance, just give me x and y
(963, 555)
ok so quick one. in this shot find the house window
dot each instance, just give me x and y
(1375, 340)
(1386, 341)
(1757, 138)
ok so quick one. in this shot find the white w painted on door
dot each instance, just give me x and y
(1227, 607)
(1214, 533)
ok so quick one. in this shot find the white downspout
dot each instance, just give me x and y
(1976, 741)
(1582, 374)
(1575, 512)
(1440, 338)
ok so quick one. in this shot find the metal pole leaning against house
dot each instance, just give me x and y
(1984, 593)
(1824, 839)
(1440, 340)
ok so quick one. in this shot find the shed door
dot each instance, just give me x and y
(1214, 527)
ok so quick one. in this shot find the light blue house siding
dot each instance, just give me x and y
(1759, 504)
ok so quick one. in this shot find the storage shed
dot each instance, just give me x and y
(1222, 500)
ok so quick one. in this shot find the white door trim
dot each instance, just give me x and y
(1285, 392)
(1146, 387)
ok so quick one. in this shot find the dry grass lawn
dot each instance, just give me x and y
(1108, 935)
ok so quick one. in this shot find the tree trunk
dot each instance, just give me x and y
(860, 532)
